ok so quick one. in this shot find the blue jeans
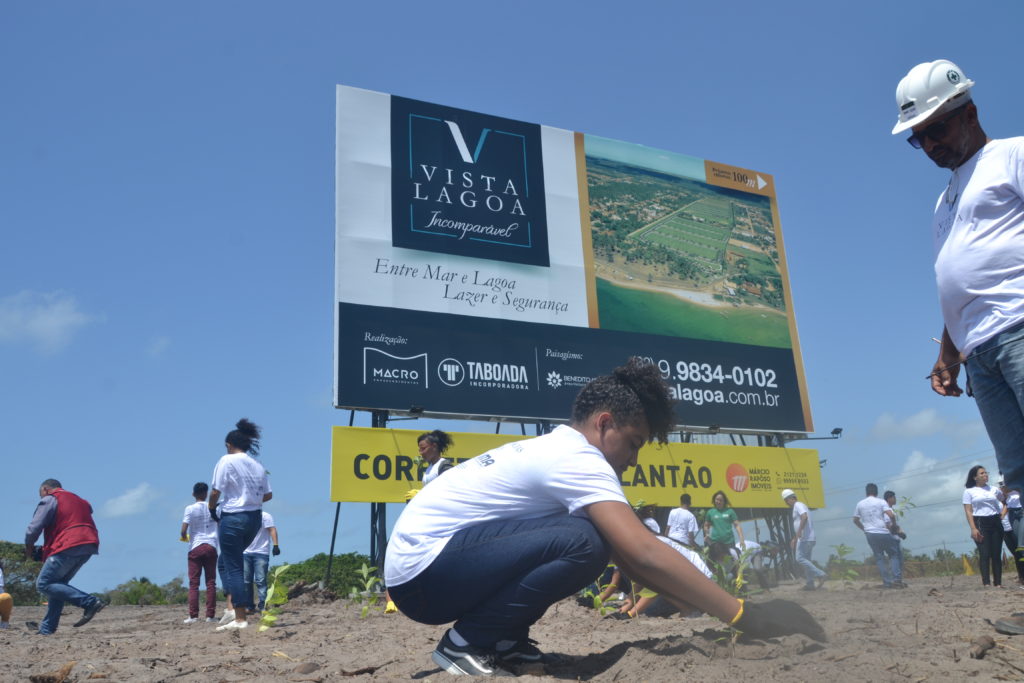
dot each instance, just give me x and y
(803, 558)
(997, 381)
(897, 560)
(255, 567)
(496, 579)
(53, 580)
(235, 533)
(887, 556)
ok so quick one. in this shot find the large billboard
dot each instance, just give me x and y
(381, 466)
(487, 267)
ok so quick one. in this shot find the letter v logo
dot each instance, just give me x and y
(460, 142)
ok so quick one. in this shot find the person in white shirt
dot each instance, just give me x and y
(256, 560)
(978, 242)
(873, 517)
(647, 513)
(983, 505)
(432, 446)
(200, 531)
(6, 603)
(682, 524)
(653, 605)
(499, 538)
(242, 482)
(896, 532)
(803, 541)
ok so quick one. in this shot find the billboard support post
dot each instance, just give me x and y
(330, 555)
(780, 531)
(378, 511)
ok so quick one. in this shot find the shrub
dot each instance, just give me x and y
(345, 572)
(19, 574)
(141, 591)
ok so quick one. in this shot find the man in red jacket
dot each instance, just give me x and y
(69, 540)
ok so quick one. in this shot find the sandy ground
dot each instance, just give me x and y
(922, 633)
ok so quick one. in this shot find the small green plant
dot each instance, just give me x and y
(844, 566)
(368, 592)
(599, 604)
(903, 507)
(277, 594)
(722, 571)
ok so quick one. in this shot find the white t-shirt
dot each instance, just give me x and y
(1013, 499)
(799, 509)
(2, 581)
(261, 544)
(201, 527)
(242, 482)
(555, 474)
(984, 500)
(871, 512)
(751, 547)
(434, 470)
(978, 237)
(695, 559)
(682, 525)
(651, 524)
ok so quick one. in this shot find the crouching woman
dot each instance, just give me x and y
(498, 539)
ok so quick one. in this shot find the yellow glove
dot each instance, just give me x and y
(410, 494)
(391, 608)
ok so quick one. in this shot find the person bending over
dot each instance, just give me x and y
(501, 537)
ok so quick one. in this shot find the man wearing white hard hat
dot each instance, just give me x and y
(978, 237)
(803, 541)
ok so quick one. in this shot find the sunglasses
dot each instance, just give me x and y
(935, 131)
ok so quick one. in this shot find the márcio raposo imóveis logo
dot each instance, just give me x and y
(467, 183)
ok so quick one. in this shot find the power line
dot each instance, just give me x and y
(921, 470)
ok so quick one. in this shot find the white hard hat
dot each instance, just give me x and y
(929, 88)
(786, 493)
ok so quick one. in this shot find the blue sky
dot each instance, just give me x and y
(166, 215)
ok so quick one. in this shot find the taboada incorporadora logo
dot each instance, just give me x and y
(467, 183)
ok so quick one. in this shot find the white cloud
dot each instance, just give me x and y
(924, 423)
(132, 502)
(158, 345)
(935, 519)
(45, 320)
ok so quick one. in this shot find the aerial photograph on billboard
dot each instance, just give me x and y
(677, 256)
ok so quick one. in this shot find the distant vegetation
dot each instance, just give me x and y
(20, 579)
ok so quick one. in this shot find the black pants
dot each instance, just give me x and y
(1010, 539)
(990, 549)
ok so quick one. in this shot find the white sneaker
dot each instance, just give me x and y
(191, 620)
(229, 615)
(233, 625)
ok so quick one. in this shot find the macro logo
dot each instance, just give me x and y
(467, 183)
(737, 477)
(381, 367)
(451, 372)
(554, 380)
(953, 77)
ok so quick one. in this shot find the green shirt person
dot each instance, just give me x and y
(721, 520)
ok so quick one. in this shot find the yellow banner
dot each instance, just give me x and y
(381, 465)
(750, 476)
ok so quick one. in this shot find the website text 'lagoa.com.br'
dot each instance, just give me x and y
(698, 396)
